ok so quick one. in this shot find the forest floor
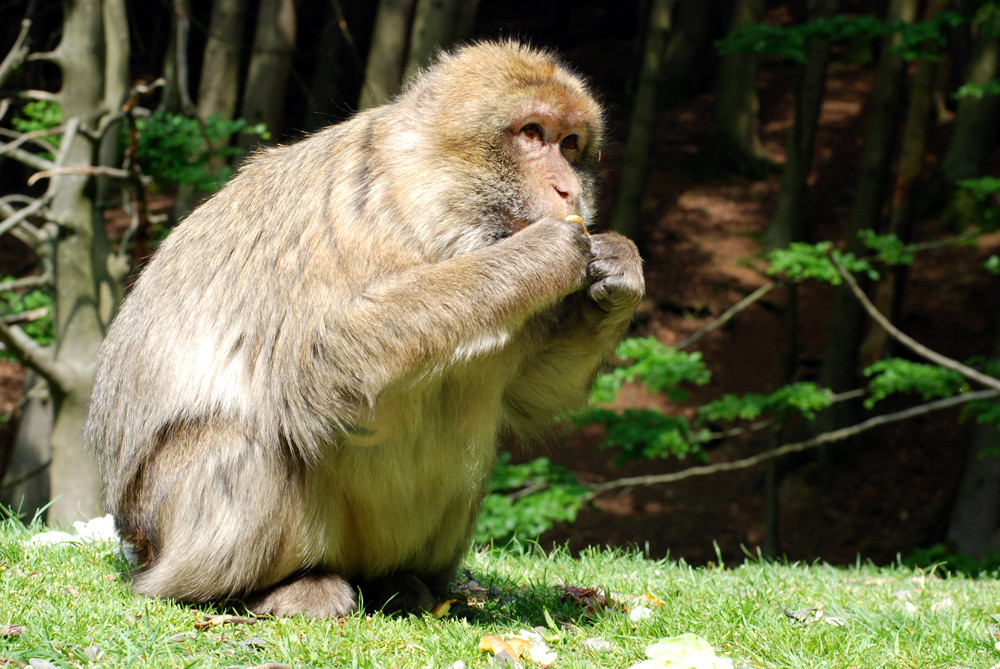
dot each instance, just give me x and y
(884, 497)
(701, 251)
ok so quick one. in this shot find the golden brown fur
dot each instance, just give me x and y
(306, 385)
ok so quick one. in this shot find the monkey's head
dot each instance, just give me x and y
(518, 131)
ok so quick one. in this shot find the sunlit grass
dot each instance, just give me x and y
(70, 605)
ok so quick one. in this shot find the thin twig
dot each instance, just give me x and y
(33, 281)
(907, 341)
(22, 215)
(90, 170)
(33, 136)
(819, 440)
(729, 314)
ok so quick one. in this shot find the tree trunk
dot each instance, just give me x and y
(267, 78)
(25, 487)
(735, 144)
(435, 25)
(975, 132)
(786, 226)
(687, 50)
(176, 92)
(840, 359)
(384, 71)
(889, 291)
(339, 67)
(80, 253)
(218, 88)
(974, 527)
(641, 123)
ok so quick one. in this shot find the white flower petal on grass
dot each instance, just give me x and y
(687, 651)
(95, 529)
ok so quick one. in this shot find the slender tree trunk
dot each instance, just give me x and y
(218, 88)
(840, 359)
(641, 123)
(435, 25)
(176, 92)
(735, 145)
(387, 55)
(977, 121)
(974, 527)
(786, 226)
(270, 64)
(889, 291)
(339, 66)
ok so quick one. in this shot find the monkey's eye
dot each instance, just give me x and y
(533, 131)
(571, 143)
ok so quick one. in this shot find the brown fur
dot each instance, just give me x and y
(305, 387)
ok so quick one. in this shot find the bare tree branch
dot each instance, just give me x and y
(23, 137)
(797, 447)
(17, 53)
(907, 341)
(29, 352)
(729, 314)
(91, 170)
(22, 215)
(33, 281)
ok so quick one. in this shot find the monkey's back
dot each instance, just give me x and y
(226, 334)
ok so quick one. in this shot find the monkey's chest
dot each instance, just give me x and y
(403, 490)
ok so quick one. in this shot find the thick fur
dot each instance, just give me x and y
(306, 385)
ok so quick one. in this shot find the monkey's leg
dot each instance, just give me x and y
(226, 519)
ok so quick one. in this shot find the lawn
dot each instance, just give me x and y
(69, 605)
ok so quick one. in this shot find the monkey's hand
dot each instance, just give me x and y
(614, 274)
(561, 248)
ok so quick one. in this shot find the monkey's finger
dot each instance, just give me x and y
(578, 219)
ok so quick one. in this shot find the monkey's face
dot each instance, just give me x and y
(547, 149)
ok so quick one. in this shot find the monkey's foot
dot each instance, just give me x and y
(397, 592)
(317, 594)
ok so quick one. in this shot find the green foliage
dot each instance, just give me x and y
(179, 149)
(527, 499)
(940, 557)
(800, 261)
(919, 40)
(660, 368)
(39, 329)
(40, 115)
(992, 265)
(890, 249)
(645, 434)
(897, 375)
(978, 91)
(801, 398)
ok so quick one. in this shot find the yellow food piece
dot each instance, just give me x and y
(578, 219)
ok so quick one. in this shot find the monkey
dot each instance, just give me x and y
(298, 405)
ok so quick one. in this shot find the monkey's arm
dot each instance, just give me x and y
(427, 317)
(580, 339)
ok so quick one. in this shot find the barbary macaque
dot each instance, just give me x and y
(302, 395)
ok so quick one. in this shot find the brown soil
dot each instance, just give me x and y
(881, 498)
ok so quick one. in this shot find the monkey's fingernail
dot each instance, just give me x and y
(578, 219)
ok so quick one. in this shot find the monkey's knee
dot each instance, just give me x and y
(317, 594)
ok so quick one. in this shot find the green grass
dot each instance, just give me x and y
(75, 608)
